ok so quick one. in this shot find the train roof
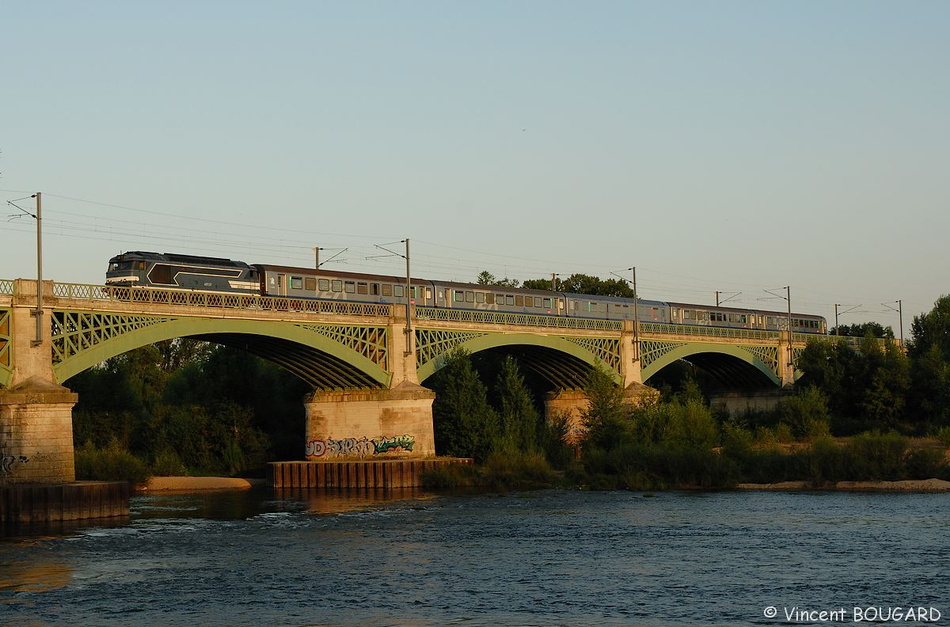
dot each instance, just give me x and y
(746, 310)
(496, 288)
(337, 274)
(178, 258)
(616, 299)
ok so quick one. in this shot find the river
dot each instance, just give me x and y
(533, 558)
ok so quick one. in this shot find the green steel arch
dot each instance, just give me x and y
(562, 372)
(676, 351)
(6, 359)
(312, 355)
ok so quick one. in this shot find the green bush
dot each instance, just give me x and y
(450, 476)
(554, 435)
(943, 436)
(111, 463)
(874, 457)
(518, 470)
(827, 461)
(806, 414)
(167, 463)
(925, 463)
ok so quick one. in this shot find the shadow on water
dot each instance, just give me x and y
(244, 504)
(220, 505)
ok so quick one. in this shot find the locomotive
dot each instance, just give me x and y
(213, 274)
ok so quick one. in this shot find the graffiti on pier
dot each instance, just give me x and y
(7, 461)
(359, 447)
(394, 443)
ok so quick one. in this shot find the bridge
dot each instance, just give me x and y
(366, 363)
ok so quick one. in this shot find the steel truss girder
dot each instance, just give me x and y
(564, 361)
(6, 358)
(328, 357)
(656, 355)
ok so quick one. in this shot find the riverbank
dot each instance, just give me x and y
(907, 485)
(190, 484)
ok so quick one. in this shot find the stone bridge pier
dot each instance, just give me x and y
(374, 423)
(36, 425)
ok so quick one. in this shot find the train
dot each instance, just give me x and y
(214, 274)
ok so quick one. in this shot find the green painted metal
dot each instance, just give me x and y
(432, 343)
(84, 339)
(370, 342)
(442, 314)
(475, 342)
(747, 335)
(97, 294)
(663, 354)
(6, 349)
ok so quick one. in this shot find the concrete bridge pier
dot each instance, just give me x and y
(574, 404)
(36, 433)
(36, 425)
(370, 424)
(375, 424)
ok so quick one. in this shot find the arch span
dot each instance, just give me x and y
(312, 356)
(563, 363)
(685, 351)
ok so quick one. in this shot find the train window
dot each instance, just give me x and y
(519, 301)
(500, 299)
(479, 297)
(387, 289)
(490, 299)
(362, 288)
(161, 274)
(546, 303)
(374, 289)
(458, 296)
(414, 291)
(469, 297)
(324, 285)
(337, 285)
(310, 284)
(528, 301)
(428, 293)
(349, 287)
(296, 283)
(509, 299)
(399, 291)
(560, 303)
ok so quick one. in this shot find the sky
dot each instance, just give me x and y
(731, 146)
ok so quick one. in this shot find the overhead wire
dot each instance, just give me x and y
(225, 241)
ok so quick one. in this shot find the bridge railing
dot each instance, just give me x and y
(518, 319)
(187, 298)
(657, 328)
(852, 341)
(6, 287)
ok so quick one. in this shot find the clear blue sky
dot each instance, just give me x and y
(731, 146)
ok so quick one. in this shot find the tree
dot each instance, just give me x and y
(487, 278)
(863, 329)
(607, 418)
(866, 388)
(584, 284)
(465, 424)
(932, 329)
(929, 350)
(519, 419)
